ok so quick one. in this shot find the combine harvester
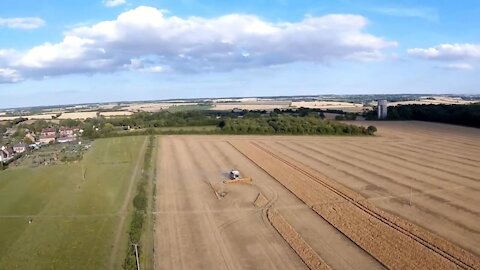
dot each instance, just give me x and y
(236, 179)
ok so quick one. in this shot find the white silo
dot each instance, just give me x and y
(382, 109)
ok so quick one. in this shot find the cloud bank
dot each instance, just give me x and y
(457, 56)
(448, 52)
(22, 23)
(146, 39)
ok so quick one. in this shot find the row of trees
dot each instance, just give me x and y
(291, 125)
(161, 119)
(140, 203)
(466, 115)
(289, 121)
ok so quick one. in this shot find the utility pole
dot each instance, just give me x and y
(136, 255)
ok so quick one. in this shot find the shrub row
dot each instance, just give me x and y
(140, 202)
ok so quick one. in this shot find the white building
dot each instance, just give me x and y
(382, 109)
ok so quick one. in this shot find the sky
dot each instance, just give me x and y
(65, 52)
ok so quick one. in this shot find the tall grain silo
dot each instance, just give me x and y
(382, 109)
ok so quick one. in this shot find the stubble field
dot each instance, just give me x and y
(405, 198)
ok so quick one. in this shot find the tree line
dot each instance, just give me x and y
(290, 125)
(465, 115)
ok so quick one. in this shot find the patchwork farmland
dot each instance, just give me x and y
(405, 199)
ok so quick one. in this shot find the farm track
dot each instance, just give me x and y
(438, 253)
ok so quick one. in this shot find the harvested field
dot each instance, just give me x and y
(78, 115)
(251, 106)
(405, 199)
(332, 105)
(154, 107)
(302, 248)
(33, 116)
(115, 113)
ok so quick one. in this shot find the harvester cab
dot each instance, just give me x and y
(234, 174)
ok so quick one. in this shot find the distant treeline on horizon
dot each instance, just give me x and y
(465, 115)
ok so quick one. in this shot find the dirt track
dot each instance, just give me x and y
(425, 173)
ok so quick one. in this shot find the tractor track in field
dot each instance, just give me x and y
(377, 214)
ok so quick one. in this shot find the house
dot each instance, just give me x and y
(3, 156)
(67, 135)
(64, 132)
(48, 132)
(66, 139)
(48, 135)
(6, 153)
(20, 148)
(47, 139)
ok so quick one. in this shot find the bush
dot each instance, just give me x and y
(371, 130)
(140, 202)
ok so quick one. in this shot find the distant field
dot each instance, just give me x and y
(76, 209)
(78, 115)
(183, 108)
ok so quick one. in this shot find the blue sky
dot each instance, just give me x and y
(58, 52)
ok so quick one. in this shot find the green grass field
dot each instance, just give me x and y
(75, 209)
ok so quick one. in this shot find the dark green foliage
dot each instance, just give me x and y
(140, 201)
(291, 125)
(465, 115)
(70, 122)
(299, 121)
(140, 208)
(371, 130)
(346, 116)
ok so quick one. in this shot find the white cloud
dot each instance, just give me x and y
(448, 52)
(146, 38)
(114, 3)
(157, 69)
(458, 66)
(22, 23)
(8, 75)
